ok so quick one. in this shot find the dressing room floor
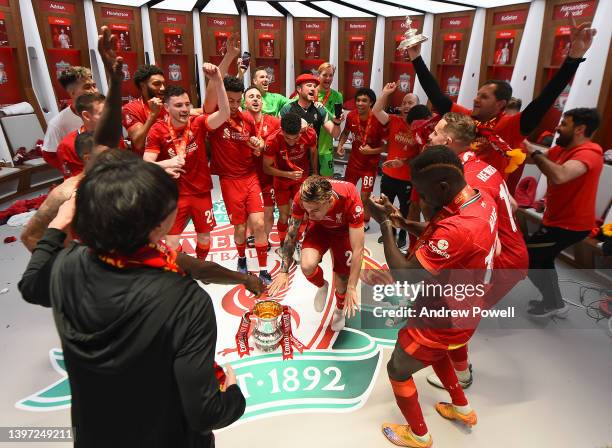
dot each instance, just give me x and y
(545, 385)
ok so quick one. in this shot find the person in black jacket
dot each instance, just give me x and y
(138, 333)
(138, 336)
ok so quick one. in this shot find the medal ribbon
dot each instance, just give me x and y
(285, 155)
(463, 198)
(363, 134)
(181, 146)
(326, 97)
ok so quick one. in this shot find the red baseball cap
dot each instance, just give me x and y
(306, 77)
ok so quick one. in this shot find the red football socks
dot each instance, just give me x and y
(262, 255)
(241, 249)
(202, 250)
(459, 358)
(282, 227)
(340, 300)
(407, 398)
(445, 371)
(316, 278)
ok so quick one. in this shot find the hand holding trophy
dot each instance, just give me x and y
(411, 38)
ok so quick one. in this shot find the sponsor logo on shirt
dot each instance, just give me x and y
(439, 248)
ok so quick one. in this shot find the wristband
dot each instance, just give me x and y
(537, 152)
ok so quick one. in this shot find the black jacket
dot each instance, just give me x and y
(139, 348)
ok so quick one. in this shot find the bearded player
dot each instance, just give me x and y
(457, 246)
(367, 145)
(290, 156)
(489, 105)
(181, 138)
(234, 148)
(335, 222)
(265, 126)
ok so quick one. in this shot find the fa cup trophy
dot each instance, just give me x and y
(272, 329)
(411, 38)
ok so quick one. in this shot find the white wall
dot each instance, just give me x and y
(147, 35)
(378, 59)
(587, 82)
(244, 43)
(471, 71)
(333, 50)
(41, 80)
(197, 45)
(426, 46)
(290, 58)
(97, 66)
(526, 64)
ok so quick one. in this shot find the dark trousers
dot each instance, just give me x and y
(400, 189)
(543, 247)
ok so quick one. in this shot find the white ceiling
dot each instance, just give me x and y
(430, 6)
(494, 3)
(383, 9)
(256, 8)
(340, 10)
(221, 7)
(124, 2)
(297, 9)
(177, 5)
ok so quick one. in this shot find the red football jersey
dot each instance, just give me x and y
(196, 178)
(508, 128)
(484, 177)
(138, 111)
(68, 156)
(401, 144)
(285, 156)
(459, 251)
(571, 205)
(374, 138)
(231, 156)
(265, 128)
(347, 210)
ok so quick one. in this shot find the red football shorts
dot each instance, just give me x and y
(268, 194)
(242, 197)
(199, 208)
(322, 239)
(424, 353)
(285, 192)
(367, 177)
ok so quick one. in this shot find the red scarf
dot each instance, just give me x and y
(487, 138)
(156, 256)
(463, 198)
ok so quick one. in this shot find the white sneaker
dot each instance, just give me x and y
(338, 320)
(435, 381)
(320, 297)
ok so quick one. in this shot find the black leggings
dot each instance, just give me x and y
(543, 247)
(396, 188)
